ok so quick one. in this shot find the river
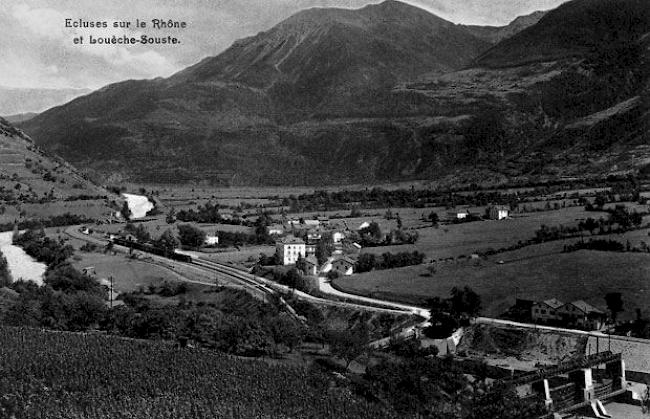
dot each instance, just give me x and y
(138, 204)
(21, 265)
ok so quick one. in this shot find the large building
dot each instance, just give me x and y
(290, 249)
(574, 314)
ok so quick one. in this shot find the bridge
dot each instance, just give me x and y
(575, 385)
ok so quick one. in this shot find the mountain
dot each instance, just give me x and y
(230, 118)
(383, 93)
(574, 29)
(21, 117)
(21, 100)
(496, 34)
(36, 184)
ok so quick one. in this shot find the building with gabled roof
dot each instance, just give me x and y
(498, 212)
(546, 311)
(582, 314)
(341, 264)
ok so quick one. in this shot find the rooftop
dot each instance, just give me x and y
(554, 303)
(291, 240)
(586, 307)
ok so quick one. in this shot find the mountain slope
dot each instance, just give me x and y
(35, 184)
(18, 101)
(379, 94)
(574, 29)
(496, 34)
(224, 119)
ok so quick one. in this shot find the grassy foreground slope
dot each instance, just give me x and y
(67, 375)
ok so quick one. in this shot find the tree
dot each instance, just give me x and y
(285, 331)
(171, 216)
(324, 248)
(614, 302)
(399, 222)
(365, 263)
(348, 345)
(301, 265)
(5, 276)
(589, 224)
(465, 302)
(167, 242)
(191, 236)
(433, 217)
(443, 324)
(372, 232)
(126, 211)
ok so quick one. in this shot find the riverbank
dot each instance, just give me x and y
(21, 265)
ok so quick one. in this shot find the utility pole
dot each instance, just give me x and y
(110, 278)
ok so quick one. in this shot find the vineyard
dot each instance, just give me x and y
(53, 375)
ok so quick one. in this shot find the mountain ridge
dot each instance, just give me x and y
(365, 96)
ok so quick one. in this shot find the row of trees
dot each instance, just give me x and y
(5, 275)
(447, 314)
(68, 300)
(368, 261)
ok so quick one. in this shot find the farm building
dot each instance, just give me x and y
(314, 235)
(546, 311)
(212, 239)
(458, 214)
(337, 236)
(363, 225)
(311, 266)
(582, 314)
(341, 264)
(498, 212)
(289, 249)
(275, 230)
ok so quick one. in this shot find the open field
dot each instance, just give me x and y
(586, 275)
(158, 226)
(453, 240)
(244, 257)
(128, 274)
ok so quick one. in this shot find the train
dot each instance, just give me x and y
(150, 248)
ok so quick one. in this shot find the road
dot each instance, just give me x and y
(259, 284)
(243, 278)
(325, 287)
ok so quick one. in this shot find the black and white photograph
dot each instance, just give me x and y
(325, 209)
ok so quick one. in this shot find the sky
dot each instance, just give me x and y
(37, 50)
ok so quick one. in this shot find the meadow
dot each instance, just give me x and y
(586, 275)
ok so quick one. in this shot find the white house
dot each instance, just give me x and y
(458, 215)
(499, 212)
(314, 235)
(337, 236)
(211, 239)
(363, 225)
(275, 230)
(290, 249)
